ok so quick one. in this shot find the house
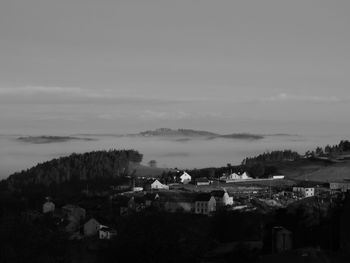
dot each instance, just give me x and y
(282, 239)
(304, 191)
(202, 181)
(230, 177)
(185, 178)
(155, 185)
(106, 233)
(276, 177)
(222, 198)
(48, 207)
(205, 204)
(91, 227)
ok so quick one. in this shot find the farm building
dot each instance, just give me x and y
(202, 181)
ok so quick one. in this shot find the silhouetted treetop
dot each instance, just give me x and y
(77, 167)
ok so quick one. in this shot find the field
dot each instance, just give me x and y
(315, 170)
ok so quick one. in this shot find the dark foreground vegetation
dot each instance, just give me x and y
(154, 236)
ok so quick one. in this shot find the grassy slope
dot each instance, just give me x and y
(315, 170)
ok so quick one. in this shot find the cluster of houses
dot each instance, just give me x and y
(185, 178)
(174, 201)
(74, 221)
(234, 177)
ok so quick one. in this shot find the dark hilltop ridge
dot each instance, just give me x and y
(97, 165)
(189, 133)
(51, 139)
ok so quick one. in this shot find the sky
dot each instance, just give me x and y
(84, 66)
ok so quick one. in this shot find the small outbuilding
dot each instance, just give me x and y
(202, 181)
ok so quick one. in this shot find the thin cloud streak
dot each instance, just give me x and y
(75, 95)
(284, 97)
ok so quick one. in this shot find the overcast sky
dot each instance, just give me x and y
(109, 65)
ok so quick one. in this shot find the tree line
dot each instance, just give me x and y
(77, 167)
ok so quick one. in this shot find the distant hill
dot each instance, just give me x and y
(51, 139)
(187, 134)
(243, 136)
(77, 167)
(179, 132)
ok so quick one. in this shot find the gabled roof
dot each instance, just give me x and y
(204, 197)
(185, 174)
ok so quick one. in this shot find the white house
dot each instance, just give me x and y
(158, 185)
(48, 207)
(276, 177)
(304, 191)
(185, 178)
(107, 233)
(222, 198)
(155, 185)
(205, 204)
(234, 176)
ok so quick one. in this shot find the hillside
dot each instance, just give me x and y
(178, 133)
(51, 139)
(77, 167)
(336, 172)
(313, 170)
